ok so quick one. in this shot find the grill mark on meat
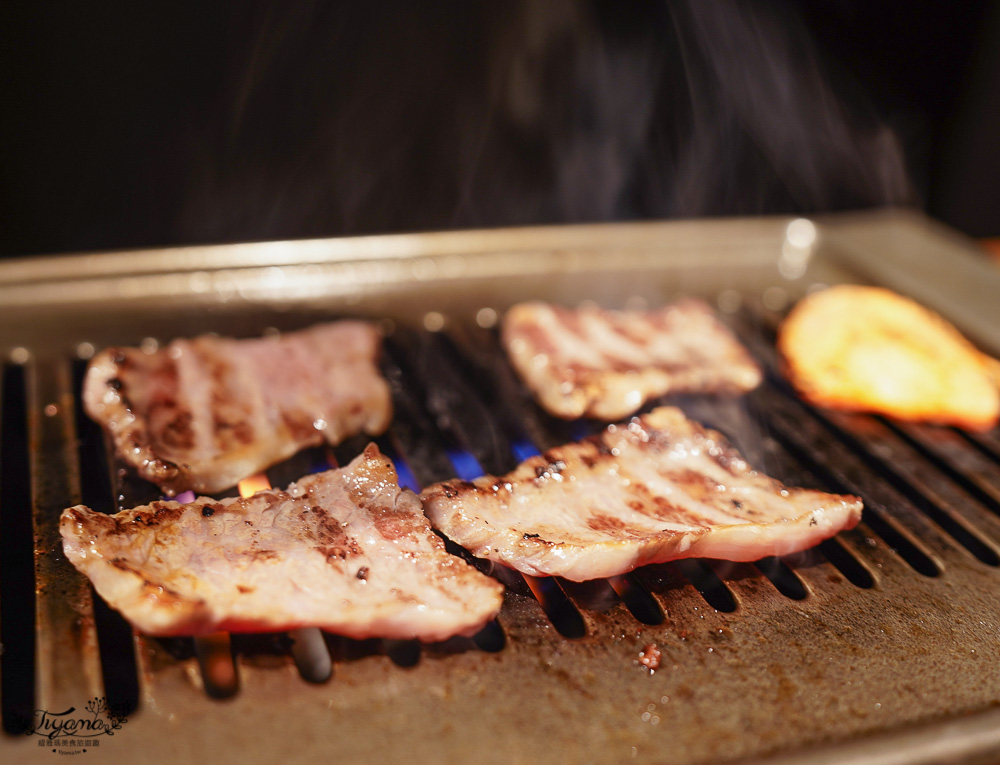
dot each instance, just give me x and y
(636, 333)
(231, 418)
(597, 522)
(604, 359)
(648, 491)
(159, 514)
(162, 405)
(454, 489)
(334, 555)
(278, 560)
(330, 537)
(178, 433)
(606, 364)
(211, 508)
(659, 507)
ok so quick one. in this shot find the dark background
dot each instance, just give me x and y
(128, 124)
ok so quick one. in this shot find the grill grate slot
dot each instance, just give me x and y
(551, 594)
(847, 564)
(17, 576)
(217, 662)
(784, 579)
(115, 641)
(637, 599)
(704, 579)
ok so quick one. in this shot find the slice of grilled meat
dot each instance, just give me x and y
(606, 364)
(658, 488)
(203, 414)
(346, 550)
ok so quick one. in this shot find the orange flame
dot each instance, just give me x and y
(250, 486)
(620, 584)
(535, 585)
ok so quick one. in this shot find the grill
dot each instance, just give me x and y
(879, 646)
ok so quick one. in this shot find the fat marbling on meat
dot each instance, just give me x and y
(346, 550)
(606, 364)
(657, 488)
(203, 414)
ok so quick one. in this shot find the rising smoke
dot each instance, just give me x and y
(337, 119)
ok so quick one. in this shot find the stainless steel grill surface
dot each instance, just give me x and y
(881, 645)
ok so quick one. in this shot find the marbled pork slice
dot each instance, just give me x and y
(656, 489)
(203, 414)
(345, 550)
(606, 364)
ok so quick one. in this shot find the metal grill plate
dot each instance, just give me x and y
(903, 671)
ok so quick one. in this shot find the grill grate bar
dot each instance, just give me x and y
(68, 668)
(975, 470)
(842, 472)
(919, 480)
(988, 443)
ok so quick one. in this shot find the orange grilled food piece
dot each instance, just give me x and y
(870, 349)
